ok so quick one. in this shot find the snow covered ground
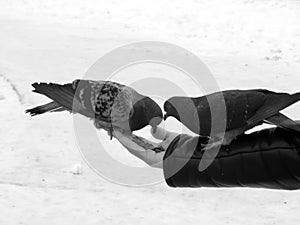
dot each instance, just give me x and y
(246, 44)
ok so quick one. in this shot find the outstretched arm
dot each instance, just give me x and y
(149, 156)
(267, 158)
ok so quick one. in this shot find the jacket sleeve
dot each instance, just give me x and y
(269, 158)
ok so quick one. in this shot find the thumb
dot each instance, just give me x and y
(161, 133)
(166, 136)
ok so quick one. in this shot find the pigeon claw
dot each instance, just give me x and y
(110, 132)
(215, 142)
(158, 149)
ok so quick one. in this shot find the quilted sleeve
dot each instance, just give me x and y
(269, 158)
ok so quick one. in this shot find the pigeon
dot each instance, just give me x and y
(245, 109)
(109, 104)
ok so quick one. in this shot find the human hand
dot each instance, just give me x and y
(164, 135)
(149, 156)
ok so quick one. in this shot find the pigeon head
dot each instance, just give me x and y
(154, 114)
(170, 108)
(179, 107)
(145, 112)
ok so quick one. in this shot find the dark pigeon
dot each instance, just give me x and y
(245, 109)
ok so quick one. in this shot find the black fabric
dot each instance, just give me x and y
(268, 158)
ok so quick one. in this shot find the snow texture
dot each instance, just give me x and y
(246, 44)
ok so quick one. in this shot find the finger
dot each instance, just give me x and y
(159, 133)
(162, 134)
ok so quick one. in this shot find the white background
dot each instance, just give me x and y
(246, 44)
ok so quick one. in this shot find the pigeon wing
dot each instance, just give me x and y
(274, 102)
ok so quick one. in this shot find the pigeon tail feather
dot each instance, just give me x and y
(62, 95)
(49, 107)
(297, 96)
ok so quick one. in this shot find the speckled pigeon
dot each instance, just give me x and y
(109, 104)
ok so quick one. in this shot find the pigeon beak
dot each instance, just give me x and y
(155, 121)
(154, 129)
(166, 116)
